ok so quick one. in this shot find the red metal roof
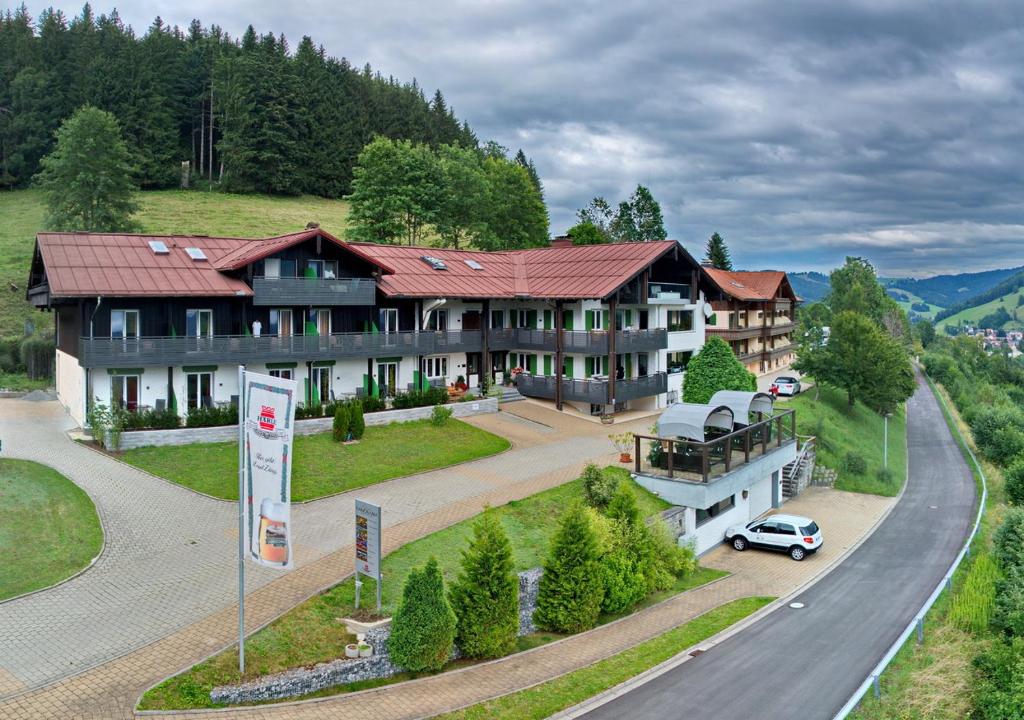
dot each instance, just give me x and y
(747, 285)
(258, 249)
(585, 271)
(84, 264)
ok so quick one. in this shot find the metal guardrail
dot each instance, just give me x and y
(590, 390)
(581, 342)
(286, 291)
(873, 679)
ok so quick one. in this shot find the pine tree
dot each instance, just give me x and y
(531, 170)
(485, 598)
(423, 627)
(717, 253)
(87, 179)
(357, 424)
(571, 589)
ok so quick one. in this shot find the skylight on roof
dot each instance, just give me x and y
(159, 247)
(195, 253)
(737, 284)
(436, 263)
(474, 264)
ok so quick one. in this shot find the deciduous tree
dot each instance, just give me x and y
(712, 369)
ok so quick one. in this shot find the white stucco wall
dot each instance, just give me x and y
(70, 380)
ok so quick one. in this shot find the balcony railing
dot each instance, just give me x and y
(696, 461)
(593, 391)
(668, 292)
(239, 349)
(285, 291)
(593, 342)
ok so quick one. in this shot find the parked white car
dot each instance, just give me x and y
(785, 386)
(798, 536)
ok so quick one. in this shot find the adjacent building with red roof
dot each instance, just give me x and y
(146, 321)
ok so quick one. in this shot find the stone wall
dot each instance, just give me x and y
(227, 433)
(303, 681)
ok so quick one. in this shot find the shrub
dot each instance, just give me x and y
(675, 560)
(419, 398)
(971, 608)
(440, 415)
(998, 432)
(621, 569)
(1006, 446)
(485, 598)
(999, 693)
(715, 368)
(598, 486)
(423, 628)
(571, 588)
(165, 419)
(37, 356)
(211, 416)
(10, 357)
(884, 475)
(1014, 477)
(623, 505)
(1008, 541)
(342, 423)
(357, 425)
(372, 404)
(855, 463)
(1008, 612)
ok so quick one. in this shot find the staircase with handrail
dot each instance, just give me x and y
(797, 474)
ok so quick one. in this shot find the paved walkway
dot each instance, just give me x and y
(161, 597)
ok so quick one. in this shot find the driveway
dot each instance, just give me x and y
(809, 661)
(170, 559)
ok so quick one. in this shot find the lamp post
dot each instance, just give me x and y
(885, 441)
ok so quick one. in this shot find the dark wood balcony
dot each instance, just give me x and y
(241, 349)
(593, 342)
(591, 390)
(320, 292)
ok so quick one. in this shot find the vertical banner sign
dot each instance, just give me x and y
(368, 542)
(269, 412)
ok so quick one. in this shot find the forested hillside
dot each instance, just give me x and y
(247, 111)
(947, 290)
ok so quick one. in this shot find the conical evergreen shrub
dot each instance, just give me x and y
(485, 598)
(571, 589)
(423, 628)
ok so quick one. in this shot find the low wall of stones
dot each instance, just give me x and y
(312, 426)
(303, 681)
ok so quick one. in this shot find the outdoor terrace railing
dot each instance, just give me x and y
(594, 391)
(668, 292)
(704, 461)
(166, 351)
(285, 291)
(592, 342)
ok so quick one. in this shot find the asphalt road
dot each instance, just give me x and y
(806, 663)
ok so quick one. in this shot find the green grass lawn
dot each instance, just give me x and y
(972, 315)
(575, 687)
(48, 526)
(841, 429)
(160, 211)
(325, 467)
(309, 633)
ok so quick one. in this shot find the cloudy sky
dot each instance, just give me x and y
(801, 131)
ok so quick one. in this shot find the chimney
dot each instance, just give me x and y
(561, 241)
(312, 225)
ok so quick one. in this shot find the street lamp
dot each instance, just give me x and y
(885, 441)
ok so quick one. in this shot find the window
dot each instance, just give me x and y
(199, 389)
(474, 264)
(436, 367)
(388, 320)
(705, 514)
(272, 267)
(524, 318)
(159, 247)
(641, 364)
(437, 320)
(199, 323)
(321, 268)
(520, 360)
(320, 384)
(677, 361)
(786, 529)
(288, 268)
(680, 320)
(322, 318)
(436, 263)
(284, 374)
(124, 391)
(387, 378)
(282, 322)
(497, 318)
(195, 253)
(594, 319)
(811, 529)
(124, 323)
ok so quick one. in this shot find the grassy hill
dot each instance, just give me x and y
(163, 211)
(972, 315)
(905, 299)
(947, 290)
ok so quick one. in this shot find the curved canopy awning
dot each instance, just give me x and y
(689, 420)
(743, 403)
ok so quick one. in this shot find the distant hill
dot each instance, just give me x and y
(949, 290)
(1000, 307)
(810, 286)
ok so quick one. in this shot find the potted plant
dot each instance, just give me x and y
(352, 651)
(623, 442)
(365, 650)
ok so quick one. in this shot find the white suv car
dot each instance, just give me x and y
(798, 536)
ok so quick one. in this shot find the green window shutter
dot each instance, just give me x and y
(547, 319)
(588, 320)
(567, 320)
(323, 363)
(588, 364)
(305, 389)
(629, 365)
(533, 364)
(547, 364)
(604, 314)
(629, 318)
(311, 328)
(569, 372)
(531, 319)
(604, 365)
(366, 384)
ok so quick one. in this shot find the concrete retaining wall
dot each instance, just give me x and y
(227, 433)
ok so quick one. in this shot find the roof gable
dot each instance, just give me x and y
(751, 285)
